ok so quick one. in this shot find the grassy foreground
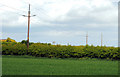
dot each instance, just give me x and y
(26, 65)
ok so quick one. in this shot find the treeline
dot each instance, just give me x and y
(59, 51)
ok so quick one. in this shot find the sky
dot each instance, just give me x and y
(62, 21)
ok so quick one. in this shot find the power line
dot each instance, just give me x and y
(11, 11)
(26, 2)
(34, 8)
(40, 10)
(11, 7)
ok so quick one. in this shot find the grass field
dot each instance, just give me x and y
(24, 65)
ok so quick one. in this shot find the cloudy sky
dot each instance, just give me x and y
(62, 21)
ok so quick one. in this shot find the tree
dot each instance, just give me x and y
(24, 42)
(10, 40)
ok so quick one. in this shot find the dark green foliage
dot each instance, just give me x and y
(25, 42)
(14, 49)
(59, 51)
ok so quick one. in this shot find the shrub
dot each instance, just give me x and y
(59, 51)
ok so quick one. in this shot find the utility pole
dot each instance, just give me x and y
(87, 38)
(28, 26)
(53, 42)
(101, 39)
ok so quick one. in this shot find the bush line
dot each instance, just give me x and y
(59, 51)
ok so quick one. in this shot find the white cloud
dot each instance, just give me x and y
(100, 11)
(97, 12)
(55, 33)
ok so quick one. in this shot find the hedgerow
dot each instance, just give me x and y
(59, 51)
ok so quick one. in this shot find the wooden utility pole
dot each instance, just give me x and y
(87, 38)
(28, 26)
(101, 39)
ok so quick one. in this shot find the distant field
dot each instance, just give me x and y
(24, 65)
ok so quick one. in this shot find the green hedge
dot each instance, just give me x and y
(58, 51)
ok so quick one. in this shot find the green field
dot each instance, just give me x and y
(26, 65)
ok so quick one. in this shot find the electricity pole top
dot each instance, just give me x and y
(28, 25)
